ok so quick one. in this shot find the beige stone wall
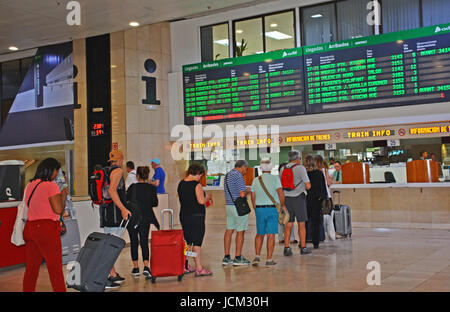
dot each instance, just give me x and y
(118, 92)
(143, 134)
(80, 121)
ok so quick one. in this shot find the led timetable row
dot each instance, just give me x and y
(409, 67)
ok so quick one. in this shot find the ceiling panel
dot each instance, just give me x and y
(30, 23)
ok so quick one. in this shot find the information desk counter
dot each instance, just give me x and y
(390, 205)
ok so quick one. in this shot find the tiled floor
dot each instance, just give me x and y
(411, 260)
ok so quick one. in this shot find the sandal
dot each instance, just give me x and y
(189, 269)
(203, 272)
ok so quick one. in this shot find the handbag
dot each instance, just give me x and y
(135, 209)
(326, 206)
(283, 215)
(240, 203)
(21, 219)
(325, 203)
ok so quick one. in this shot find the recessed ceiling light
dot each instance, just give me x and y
(13, 48)
(274, 25)
(239, 31)
(134, 24)
(316, 16)
(277, 35)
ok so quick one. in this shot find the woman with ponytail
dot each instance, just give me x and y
(144, 195)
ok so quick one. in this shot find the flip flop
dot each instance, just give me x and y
(203, 272)
(189, 270)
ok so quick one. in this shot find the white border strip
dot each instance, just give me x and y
(13, 147)
(17, 55)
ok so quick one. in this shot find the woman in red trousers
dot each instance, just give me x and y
(42, 230)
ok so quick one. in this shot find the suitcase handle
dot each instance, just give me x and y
(123, 228)
(338, 203)
(170, 219)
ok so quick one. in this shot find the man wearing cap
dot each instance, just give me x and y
(266, 192)
(158, 177)
(111, 215)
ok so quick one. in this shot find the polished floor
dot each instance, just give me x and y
(410, 260)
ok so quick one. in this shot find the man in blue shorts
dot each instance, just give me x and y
(265, 209)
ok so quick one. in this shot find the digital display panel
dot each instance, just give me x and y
(249, 87)
(409, 67)
(395, 69)
(97, 129)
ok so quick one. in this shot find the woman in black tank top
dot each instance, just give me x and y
(192, 214)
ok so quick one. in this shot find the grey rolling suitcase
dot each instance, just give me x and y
(342, 217)
(96, 259)
(70, 241)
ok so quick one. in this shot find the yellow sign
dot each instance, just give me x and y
(368, 134)
(308, 138)
(430, 130)
(204, 145)
(250, 142)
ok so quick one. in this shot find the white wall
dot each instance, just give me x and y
(185, 38)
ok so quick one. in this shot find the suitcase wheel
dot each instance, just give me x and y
(153, 279)
(180, 277)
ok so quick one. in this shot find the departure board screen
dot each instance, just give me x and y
(409, 67)
(248, 87)
(388, 70)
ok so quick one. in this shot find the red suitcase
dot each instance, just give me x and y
(167, 251)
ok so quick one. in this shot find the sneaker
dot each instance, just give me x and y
(316, 246)
(117, 279)
(270, 263)
(294, 241)
(241, 261)
(281, 242)
(227, 261)
(146, 272)
(305, 251)
(287, 251)
(111, 285)
(256, 261)
(135, 272)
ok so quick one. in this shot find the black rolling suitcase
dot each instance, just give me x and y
(96, 259)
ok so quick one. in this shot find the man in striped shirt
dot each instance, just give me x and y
(235, 187)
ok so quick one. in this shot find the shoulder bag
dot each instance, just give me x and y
(325, 202)
(241, 203)
(21, 219)
(283, 215)
(135, 208)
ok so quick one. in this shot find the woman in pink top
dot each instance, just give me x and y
(42, 230)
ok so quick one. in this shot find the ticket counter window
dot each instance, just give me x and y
(382, 158)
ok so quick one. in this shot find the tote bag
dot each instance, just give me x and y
(21, 218)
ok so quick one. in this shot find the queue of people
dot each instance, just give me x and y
(303, 201)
